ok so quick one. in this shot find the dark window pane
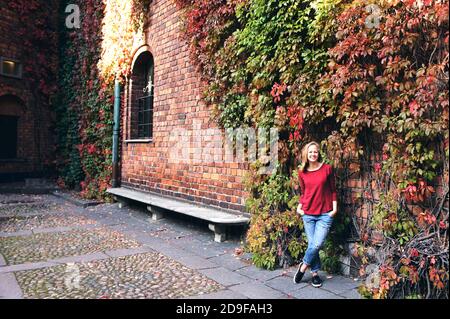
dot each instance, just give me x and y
(145, 116)
(144, 81)
(8, 140)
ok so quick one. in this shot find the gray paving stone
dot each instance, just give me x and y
(176, 226)
(163, 233)
(28, 266)
(224, 294)
(285, 284)
(157, 244)
(111, 220)
(17, 234)
(257, 291)
(81, 259)
(165, 248)
(9, 288)
(62, 229)
(196, 262)
(127, 251)
(339, 284)
(311, 292)
(133, 228)
(97, 216)
(225, 277)
(229, 261)
(260, 274)
(200, 248)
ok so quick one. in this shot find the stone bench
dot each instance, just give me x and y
(218, 220)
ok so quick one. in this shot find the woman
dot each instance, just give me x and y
(317, 206)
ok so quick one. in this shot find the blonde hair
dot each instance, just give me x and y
(304, 155)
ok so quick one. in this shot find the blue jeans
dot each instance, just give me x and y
(316, 229)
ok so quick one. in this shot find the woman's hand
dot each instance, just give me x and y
(335, 209)
(333, 213)
(300, 210)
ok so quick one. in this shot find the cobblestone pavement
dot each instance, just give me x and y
(41, 247)
(50, 248)
(20, 223)
(149, 275)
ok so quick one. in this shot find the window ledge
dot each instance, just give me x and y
(142, 140)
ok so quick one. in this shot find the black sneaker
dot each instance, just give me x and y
(316, 281)
(298, 275)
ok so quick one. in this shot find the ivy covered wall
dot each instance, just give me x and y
(91, 58)
(370, 83)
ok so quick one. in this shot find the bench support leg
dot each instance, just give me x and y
(157, 214)
(122, 202)
(220, 234)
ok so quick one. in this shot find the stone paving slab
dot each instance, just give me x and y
(127, 251)
(17, 234)
(163, 232)
(225, 276)
(81, 258)
(169, 250)
(200, 248)
(145, 239)
(9, 288)
(229, 261)
(310, 292)
(285, 284)
(63, 229)
(144, 228)
(181, 227)
(340, 285)
(259, 274)
(196, 262)
(26, 266)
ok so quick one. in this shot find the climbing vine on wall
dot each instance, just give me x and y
(36, 36)
(92, 57)
(372, 87)
(38, 39)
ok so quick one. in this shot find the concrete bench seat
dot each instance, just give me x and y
(218, 220)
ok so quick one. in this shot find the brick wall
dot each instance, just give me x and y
(178, 114)
(18, 96)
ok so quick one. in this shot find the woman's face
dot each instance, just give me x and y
(313, 153)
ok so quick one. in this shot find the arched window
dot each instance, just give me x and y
(142, 97)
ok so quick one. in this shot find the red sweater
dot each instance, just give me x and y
(318, 190)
